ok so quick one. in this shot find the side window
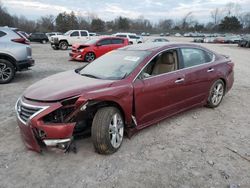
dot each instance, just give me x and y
(117, 41)
(133, 37)
(123, 36)
(2, 33)
(74, 34)
(104, 42)
(84, 34)
(193, 57)
(163, 63)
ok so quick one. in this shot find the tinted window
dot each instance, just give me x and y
(133, 37)
(84, 33)
(117, 41)
(105, 42)
(74, 34)
(193, 57)
(124, 36)
(2, 33)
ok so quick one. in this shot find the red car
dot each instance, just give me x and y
(125, 90)
(95, 48)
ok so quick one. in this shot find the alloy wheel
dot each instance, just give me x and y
(217, 93)
(5, 72)
(116, 130)
(90, 57)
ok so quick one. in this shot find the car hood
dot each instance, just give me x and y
(64, 85)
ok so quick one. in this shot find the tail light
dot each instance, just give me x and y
(20, 40)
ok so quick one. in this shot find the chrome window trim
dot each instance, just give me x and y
(213, 59)
(31, 106)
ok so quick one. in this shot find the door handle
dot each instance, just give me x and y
(179, 80)
(210, 70)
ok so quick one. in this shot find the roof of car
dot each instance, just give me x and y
(152, 46)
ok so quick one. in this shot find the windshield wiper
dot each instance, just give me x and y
(90, 75)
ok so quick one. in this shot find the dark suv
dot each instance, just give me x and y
(38, 37)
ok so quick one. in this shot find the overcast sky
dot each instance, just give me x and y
(153, 10)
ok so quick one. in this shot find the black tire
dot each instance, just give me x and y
(55, 47)
(43, 41)
(216, 92)
(139, 42)
(89, 57)
(7, 71)
(63, 45)
(130, 43)
(101, 127)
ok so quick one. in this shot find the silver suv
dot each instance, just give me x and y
(15, 54)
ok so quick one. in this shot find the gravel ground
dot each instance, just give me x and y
(188, 150)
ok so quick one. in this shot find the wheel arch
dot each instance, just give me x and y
(96, 104)
(9, 58)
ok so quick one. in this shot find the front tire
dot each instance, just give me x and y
(89, 57)
(107, 130)
(216, 94)
(7, 71)
(44, 41)
(63, 45)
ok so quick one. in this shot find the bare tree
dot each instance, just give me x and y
(187, 19)
(216, 16)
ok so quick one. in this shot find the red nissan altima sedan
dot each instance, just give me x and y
(95, 48)
(121, 92)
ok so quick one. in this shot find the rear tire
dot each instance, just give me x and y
(7, 71)
(43, 41)
(63, 45)
(216, 94)
(107, 130)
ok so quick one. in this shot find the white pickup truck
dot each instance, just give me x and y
(67, 39)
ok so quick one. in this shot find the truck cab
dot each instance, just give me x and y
(67, 39)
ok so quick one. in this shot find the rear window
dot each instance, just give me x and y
(84, 33)
(2, 33)
(117, 41)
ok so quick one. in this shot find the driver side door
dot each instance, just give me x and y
(103, 46)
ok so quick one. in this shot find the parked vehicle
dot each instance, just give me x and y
(245, 41)
(178, 35)
(123, 91)
(15, 54)
(232, 39)
(38, 37)
(219, 40)
(199, 40)
(132, 37)
(95, 48)
(67, 39)
(49, 35)
(209, 39)
(159, 40)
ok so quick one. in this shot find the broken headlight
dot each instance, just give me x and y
(63, 113)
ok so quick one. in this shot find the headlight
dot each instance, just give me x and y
(81, 50)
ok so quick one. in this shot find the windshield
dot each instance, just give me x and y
(92, 41)
(114, 65)
(67, 33)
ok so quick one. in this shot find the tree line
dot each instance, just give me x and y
(225, 19)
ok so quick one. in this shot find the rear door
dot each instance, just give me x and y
(200, 72)
(84, 36)
(103, 46)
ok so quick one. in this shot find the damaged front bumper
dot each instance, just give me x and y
(35, 132)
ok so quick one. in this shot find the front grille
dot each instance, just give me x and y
(25, 111)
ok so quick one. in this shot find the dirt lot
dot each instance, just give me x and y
(188, 150)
